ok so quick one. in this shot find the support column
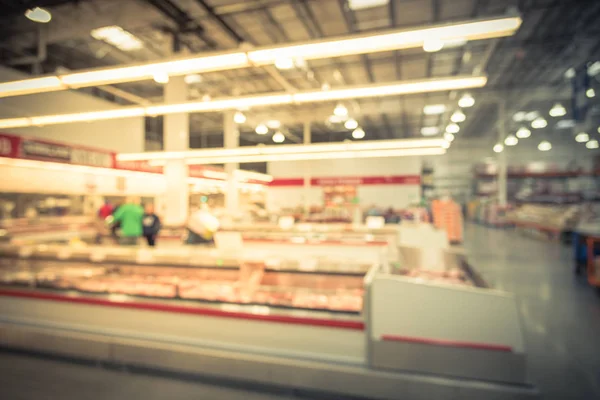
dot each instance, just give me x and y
(307, 135)
(502, 167)
(176, 138)
(231, 140)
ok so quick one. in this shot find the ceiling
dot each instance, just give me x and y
(526, 70)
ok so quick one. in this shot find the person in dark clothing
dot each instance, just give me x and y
(151, 225)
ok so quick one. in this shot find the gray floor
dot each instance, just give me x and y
(559, 311)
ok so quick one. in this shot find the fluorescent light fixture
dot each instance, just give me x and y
(192, 79)
(161, 77)
(592, 144)
(466, 101)
(118, 37)
(278, 137)
(208, 155)
(340, 110)
(262, 129)
(351, 124)
(498, 147)
(582, 137)
(430, 130)
(34, 85)
(523, 133)
(358, 133)
(520, 116)
(315, 49)
(545, 146)
(558, 110)
(566, 124)
(434, 109)
(458, 116)
(284, 63)
(274, 124)
(433, 45)
(590, 93)
(239, 117)
(539, 123)
(511, 140)
(452, 128)
(237, 103)
(362, 4)
(448, 137)
(38, 14)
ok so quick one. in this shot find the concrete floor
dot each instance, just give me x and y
(560, 312)
(560, 315)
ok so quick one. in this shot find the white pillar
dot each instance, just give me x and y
(502, 167)
(307, 134)
(231, 140)
(176, 138)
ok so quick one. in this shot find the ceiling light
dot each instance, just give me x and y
(358, 133)
(558, 110)
(118, 37)
(325, 86)
(193, 79)
(273, 124)
(38, 14)
(362, 4)
(466, 101)
(434, 109)
(511, 140)
(594, 69)
(278, 137)
(523, 133)
(458, 42)
(432, 45)
(520, 116)
(530, 116)
(599, 129)
(592, 144)
(448, 137)
(262, 129)
(590, 93)
(161, 77)
(335, 119)
(498, 147)
(239, 117)
(539, 123)
(570, 73)
(206, 98)
(582, 137)
(452, 128)
(458, 116)
(566, 124)
(446, 144)
(27, 86)
(340, 110)
(430, 130)
(284, 63)
(545, 146)
(351, 124)
(236, 103)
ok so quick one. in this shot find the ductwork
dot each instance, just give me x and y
(42, 49)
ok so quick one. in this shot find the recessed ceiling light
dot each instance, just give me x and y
(340, 110)
(430, 130)
(498, 147)
(434, 109)
(38, 14)
(523, 133)
(261, 129)
(582, 137)
(592, 144)
(432, 45)
(466, 101)
(558, 110)
(273, 124)
(511, 140)
(530, 116)
(594, 69)
(284, 63)
(161, 77)
(452, 128)
(239, 117)
(545, 146)
(570, 73)
(539, 123)
(520, 116)
(278, 137)
(448, 137)
(335, 119)
(458, 116)
(351, 124)
(590, 93)
(358, 133)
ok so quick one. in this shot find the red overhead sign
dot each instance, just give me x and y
(350, 181)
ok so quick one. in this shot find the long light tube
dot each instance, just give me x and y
(283, 149)
(353, 92)
(315, 49)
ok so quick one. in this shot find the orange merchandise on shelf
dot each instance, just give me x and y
(447, 215)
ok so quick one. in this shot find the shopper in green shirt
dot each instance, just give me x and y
(130, 216)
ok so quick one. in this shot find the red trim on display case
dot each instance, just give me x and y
(447, 343)
(208, 312)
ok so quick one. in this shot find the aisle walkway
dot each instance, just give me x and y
(559, 311)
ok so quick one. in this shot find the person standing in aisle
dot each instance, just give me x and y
(151, 225)
(129, 215)
(103, 213)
